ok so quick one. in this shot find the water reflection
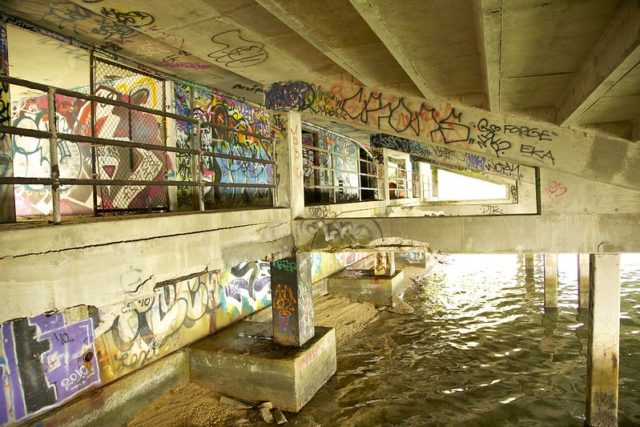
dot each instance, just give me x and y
(479, 351)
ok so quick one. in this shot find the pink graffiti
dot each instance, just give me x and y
(556, 189)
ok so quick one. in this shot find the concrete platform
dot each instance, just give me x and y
(363, 285)
(242, 361)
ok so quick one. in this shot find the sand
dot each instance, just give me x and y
(191, 405)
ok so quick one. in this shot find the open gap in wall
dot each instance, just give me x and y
(456, 187)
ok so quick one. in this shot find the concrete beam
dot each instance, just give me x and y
(380, 27)
(510, 139)
(294, 23)
(7, 200)
(635, 130)
(612, 57)
(603, 361)
(572, 233)
(489, 21)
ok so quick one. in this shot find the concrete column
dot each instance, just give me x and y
(528, 265)
(296, 172)
(7, 200)
(550, 281)
(604, 338)
(292, 306)
(583, 281)
(385, 264)
(279, 131)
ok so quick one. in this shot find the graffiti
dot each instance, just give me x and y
(150, 49)
(444, 152)
(150, 326)
(321, 212)
(133, 18)
(173, 61)
(397, 143)
(504, 168)
(342, 233)
(284, 302)
(474, 161)
(384, 264)
(489, 136)
(514, 193)
(492, 210)
(298, 95)
(66, 15)
(210, 106)
(556, 189)
(243, 289)
(254, 89)
(47, 361)
(278, 122)
(236, 51)
(527, 132)
(537, 154)
(292, 307)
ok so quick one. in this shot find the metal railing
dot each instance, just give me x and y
(332, 170)
(53, 135)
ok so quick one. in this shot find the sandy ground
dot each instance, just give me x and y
(193, 405)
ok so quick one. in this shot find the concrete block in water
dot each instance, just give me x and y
(364, 285)
(242, 361)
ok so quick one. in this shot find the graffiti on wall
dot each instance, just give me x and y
(324, 264)
(452, 159)
(44, 362)
(31, 156)
(177, 313)
(233, 50)
(411, 118)
(48, 359)
(234, 115)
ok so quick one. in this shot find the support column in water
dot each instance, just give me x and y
(583, 281)
(291, 300)
(604, 340)
(385, 264)
(528, 265)
(550, 281)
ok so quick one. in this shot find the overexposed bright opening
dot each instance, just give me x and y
(453, 186)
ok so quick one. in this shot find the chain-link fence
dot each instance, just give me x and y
(119, 83)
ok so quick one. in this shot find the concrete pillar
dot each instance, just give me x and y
(604, 337)
(291, 303)
(550, 281)
(279, 131)
(296, 165)
(528, 265)
(385, 264)
(583, 281)
(7, 200)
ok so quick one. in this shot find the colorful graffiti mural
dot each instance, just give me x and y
(212, 107)
(177, 313)
(45, 361)
(324, 264)
(31, 156)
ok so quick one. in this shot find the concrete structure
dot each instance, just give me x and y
(584, 275)
(287, 376)
(365, 285)
(480, 88)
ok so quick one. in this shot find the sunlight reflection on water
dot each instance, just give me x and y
(479, 351)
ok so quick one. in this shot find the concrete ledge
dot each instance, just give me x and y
(117, 403)
(363, 285)
(242, 361)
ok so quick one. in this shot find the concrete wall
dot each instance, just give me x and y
(94, 301)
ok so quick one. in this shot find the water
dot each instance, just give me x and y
(479, 351)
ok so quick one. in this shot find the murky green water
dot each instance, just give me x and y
(479, 351)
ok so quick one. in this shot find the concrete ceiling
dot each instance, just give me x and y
(573, 62)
